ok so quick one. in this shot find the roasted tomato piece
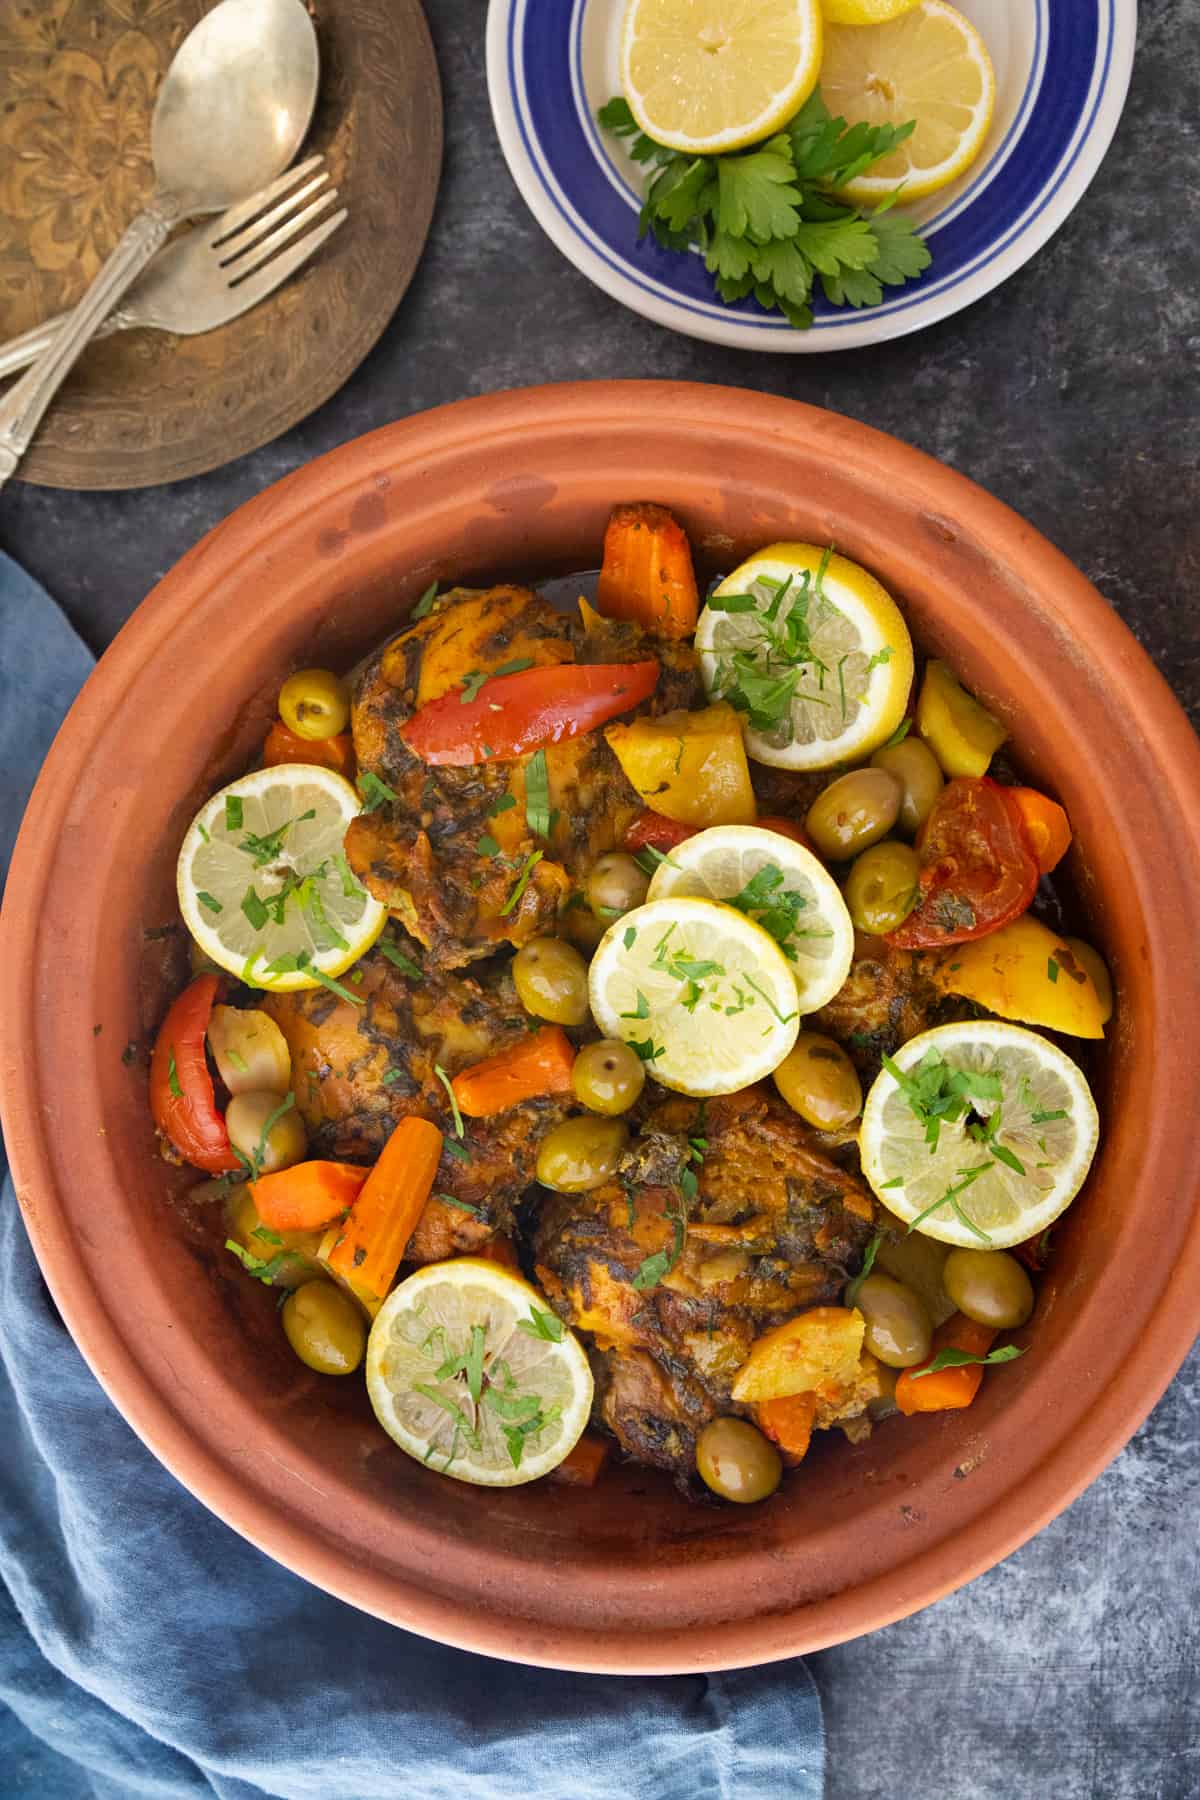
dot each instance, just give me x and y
(181, 1089)
(978, 868)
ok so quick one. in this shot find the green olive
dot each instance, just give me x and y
(736, 1461)
(883, 1404)
(818, 1081)
(325, 1328)
(249, 1050)
(296, 1251)
(608, 1077)
(581, 1153)
(989, 1286)
(855, 810)
(246, 1119)
(615, 886)
(883, 886)
(918, 1261)
(551, 981)
(314, 703)
(919, 773)
(899, 1331)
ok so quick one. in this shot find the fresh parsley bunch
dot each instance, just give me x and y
(768, 220)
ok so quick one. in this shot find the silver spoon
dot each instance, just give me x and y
(231, 113)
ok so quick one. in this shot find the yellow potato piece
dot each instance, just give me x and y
(962, 734)
(804, 1353)
(689, 766)
(1028, 973)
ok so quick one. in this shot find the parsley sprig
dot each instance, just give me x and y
(768, 221)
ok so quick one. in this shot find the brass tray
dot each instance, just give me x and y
(77, 86)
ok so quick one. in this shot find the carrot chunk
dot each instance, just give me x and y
(540, 1064)
(308, 1195)
(365, 1250)
(647, 573)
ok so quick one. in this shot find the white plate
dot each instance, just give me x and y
(1062, 69)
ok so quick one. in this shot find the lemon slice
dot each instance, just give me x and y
(711, 75)
(864, 12)
(1013, 1158)
(703, 994)
(469, 1371)
(812, 650)
(263, 883)
(929, 65)
(782, 886)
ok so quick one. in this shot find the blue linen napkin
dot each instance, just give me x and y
(146, 1649)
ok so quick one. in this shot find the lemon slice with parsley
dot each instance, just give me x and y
(812, 651)
(703, 994)
(711, 75)
(471, 1373)
(781, 886)
(978, 1134)
(263, 882)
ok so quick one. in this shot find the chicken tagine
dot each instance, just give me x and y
(636, 1034)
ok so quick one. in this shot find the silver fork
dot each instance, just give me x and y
(220, 268)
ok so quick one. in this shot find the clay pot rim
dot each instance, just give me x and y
(992, 1534)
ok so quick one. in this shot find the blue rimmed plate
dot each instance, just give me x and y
(1062, 69)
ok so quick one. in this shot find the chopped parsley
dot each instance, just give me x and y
(629, 936)
(522, 882)
(254, 909)
(898, 736)
(950, 1199)
(424, 605)
(766, 901)
(641, 1008)
(399, 960)
(538, 816)
(173, 1078)
(502, 804)
(351, 886)
(392, 1075)
(205, 899)
(487, 846)
(951, 1358)
(462, 1205)
(545, 1325)
(452, 1097)
(254, 1265)
(868, 1263)
(233, 812)
(375, 793)
(648, 1050)
(477, 677)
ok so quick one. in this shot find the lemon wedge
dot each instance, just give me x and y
(264, 886)
(929, 65)
(704, 995)
(470, 1372)
(813, 650)
(781, 886)
(985, 1138)
(710, 75)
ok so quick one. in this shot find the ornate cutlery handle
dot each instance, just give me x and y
(20, 351)
(21, 409)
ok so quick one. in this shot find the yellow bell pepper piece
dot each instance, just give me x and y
(1029, 973)
(962, 734)
(689, 766)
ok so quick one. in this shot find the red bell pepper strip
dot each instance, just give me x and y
(651, 829)
(181, 1089)
(508, 715)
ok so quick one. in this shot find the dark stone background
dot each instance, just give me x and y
(1070, 1670)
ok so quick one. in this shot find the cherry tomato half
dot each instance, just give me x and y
(978, 869)
(659, 833)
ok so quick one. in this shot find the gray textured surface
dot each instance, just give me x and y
(1071, 1669)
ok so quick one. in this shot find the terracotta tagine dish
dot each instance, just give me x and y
(626, 1576)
